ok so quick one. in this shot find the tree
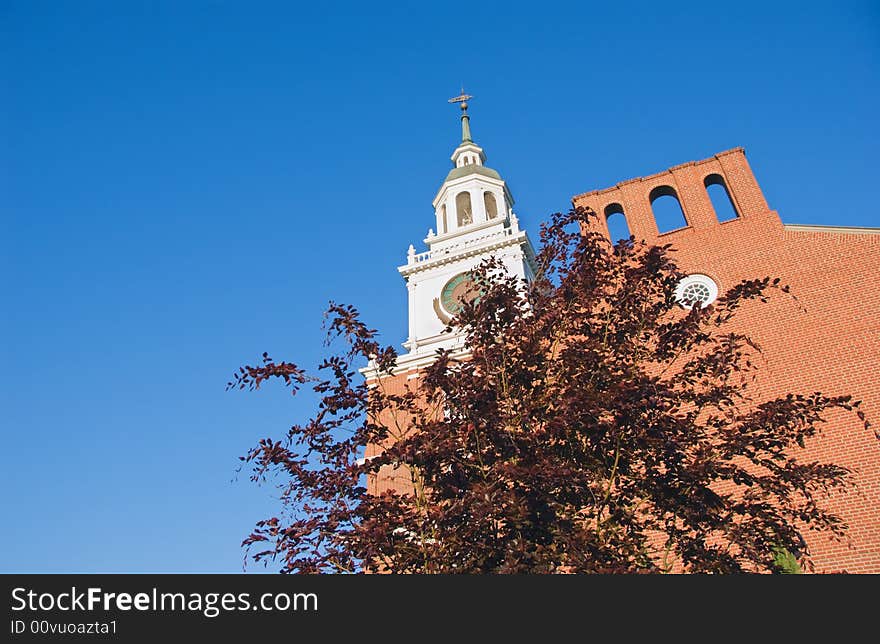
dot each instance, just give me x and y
(594, 426)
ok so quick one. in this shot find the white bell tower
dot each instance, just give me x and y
(474, 219)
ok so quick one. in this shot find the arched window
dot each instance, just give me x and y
(616, 219)
(463, 208)
(491, 205)
(725, 210)
(444, 228)
(667, 209)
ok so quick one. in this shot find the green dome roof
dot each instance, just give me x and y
(465, 170)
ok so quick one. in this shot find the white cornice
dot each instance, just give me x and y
(411, 362)
(817, 228)
(455, 254)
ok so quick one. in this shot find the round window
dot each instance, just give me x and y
(695, 289)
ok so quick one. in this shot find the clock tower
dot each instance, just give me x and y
(474, 219)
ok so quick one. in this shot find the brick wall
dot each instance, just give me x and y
(390, 478)
(829, 340)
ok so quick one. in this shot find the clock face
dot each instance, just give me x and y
(460, 288)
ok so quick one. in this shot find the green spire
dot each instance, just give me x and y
(465, 124)
(465, 119)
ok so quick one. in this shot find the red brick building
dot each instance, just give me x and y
(827, 340)
(828, 343)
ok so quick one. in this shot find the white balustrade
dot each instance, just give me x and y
(417, 258)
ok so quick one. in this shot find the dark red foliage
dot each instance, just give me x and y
(594, 427)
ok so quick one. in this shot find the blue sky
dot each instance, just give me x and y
(185, 185)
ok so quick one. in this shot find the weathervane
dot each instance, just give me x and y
(465, 119)
(461, 98)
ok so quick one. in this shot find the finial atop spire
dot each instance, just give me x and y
(465, 119)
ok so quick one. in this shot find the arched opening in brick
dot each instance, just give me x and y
(725, 209)
(667, 210)
(618, 228)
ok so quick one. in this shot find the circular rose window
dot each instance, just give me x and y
(695, 289)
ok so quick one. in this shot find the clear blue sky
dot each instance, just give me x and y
(184, 185)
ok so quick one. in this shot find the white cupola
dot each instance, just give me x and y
(474, 219)
(472, 194)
